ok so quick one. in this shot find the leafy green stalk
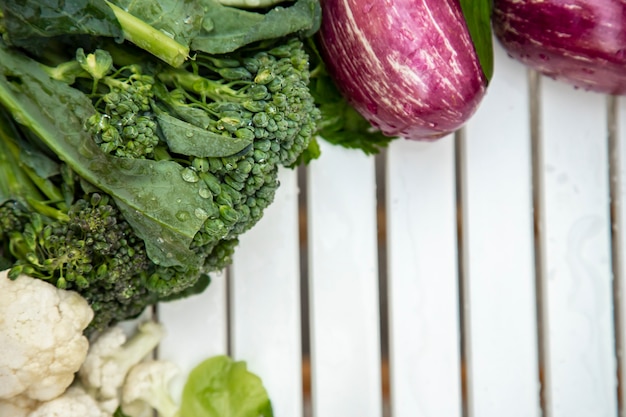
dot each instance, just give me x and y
(15, 182)
(150, 39)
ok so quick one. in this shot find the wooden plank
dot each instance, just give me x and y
(265, 300)
(423, 282)
(343, 282)
(196, 328)
(503, 376)
(581, 374)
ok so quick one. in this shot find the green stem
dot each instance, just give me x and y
(15, 183)
(150, 39)
(199, 85)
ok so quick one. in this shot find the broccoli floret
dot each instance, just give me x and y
(123, 126)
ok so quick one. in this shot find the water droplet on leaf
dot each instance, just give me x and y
(190, 175)
(201, 214)
(204, 193)
(183, 215)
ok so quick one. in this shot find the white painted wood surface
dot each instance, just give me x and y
(501, 332)
(488, 317)
(423, 280)
(265, 300)
(579, 318)
(343, 280)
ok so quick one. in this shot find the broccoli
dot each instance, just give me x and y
(137, 187)
(78, 240)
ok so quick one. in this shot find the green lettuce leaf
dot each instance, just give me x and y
(220, 387)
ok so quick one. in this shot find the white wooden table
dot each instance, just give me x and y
(476, 276)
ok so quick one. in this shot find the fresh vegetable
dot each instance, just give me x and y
(146, 389)
(49, 368)
(111, 357)
(416, 70)
(221, 386)
(18, 406)
(75, 402)
(129, 179)
(41, 339)
(582, 43)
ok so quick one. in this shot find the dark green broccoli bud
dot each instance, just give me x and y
(124, 125)
(13, 218)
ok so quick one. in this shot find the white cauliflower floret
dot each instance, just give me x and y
(110, 358)
(41, 334)
(18, 406)
(147, 388)
(75, 402)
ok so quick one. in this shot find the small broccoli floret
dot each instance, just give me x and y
(124, 125)
(13, 218)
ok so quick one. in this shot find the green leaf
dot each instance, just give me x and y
(342, 125)
(478, 18)
(97, 64)
(149, 193)
(187, 139)
(28, 19)
(220, 387)
(229, 28)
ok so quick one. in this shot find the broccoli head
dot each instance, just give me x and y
(212, 133)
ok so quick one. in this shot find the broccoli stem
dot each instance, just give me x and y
(199, 85)
(22, 180)
(16, 182)
(150, 39)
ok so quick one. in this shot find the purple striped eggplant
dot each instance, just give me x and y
(410, 67)
(581, 42)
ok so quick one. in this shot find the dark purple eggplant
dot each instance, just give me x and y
(581, 42)
(409, 67)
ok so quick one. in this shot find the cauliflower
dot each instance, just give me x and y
(147, 389)
(41, 334)
(75, 402)
(18, 406)
(110, 358)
